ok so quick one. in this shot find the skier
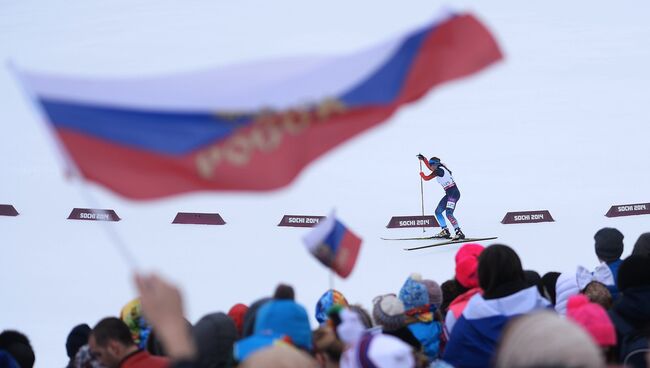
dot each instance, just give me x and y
(448, 202)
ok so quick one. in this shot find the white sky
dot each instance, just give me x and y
(561, 124)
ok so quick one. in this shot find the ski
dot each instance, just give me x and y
(416, 238)
(466, 240)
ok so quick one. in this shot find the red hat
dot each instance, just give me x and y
(237, 313)
(593, 318)
(467, 264)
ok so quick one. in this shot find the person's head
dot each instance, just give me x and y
(642, 245)
(214, 335)
(499, 272)
(434, 162)
(327, 347)
(608, 244)
(18, 346)
(77, 338)
(467, 264)
(593, 318)
(110, 341)
(549, 282)
(598, 293)
(326, 301)
(388, 312)
(634, 272)
(435, 293)
(544, 339)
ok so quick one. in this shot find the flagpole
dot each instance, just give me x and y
(72, 171)
(331, 279)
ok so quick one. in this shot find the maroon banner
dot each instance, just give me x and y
(526, 217)
(412, 221)
(8, 210)
(93, 215)
(629, 210)
(300, 220)
(198, 218)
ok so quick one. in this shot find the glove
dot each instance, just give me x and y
(421, 157)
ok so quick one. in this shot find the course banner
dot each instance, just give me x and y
(412, 221)
(629, 210)
(526, 217)
(198, 218)
(300, 220)
(8, 210)
(91, 214)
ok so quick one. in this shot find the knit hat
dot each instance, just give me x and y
(237, 313)
(634, 272)
(642, 245)
(131, 315)
(609, 244)
(546, 339)
(77, 338)
(214, 335)
(435, 293)
(384, 351)
(326, 301)
(414, 293)
(467, 264)
(388, 312)
(285, 317)
(593, 318)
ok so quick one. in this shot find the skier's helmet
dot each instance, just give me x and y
(434, 161)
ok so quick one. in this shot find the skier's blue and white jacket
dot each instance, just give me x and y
(475, 334)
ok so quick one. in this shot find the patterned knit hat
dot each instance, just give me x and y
(326, 301)
(131, 315)
(388, 312)
(414, 293)
(467, 264)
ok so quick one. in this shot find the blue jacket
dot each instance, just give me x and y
(613, 266)
(429, 336)
(475, 334)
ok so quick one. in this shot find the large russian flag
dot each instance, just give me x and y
(249, 127)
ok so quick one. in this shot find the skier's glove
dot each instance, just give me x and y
(421, 157)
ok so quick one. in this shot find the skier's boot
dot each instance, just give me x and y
(444, 234)
(459, 234)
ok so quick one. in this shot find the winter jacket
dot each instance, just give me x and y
(142, 359)
(630, 315)
(428, 333)
(457, 307)
(475, 334)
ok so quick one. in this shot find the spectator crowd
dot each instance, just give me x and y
(492, 313)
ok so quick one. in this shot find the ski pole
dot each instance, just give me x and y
(421, 191)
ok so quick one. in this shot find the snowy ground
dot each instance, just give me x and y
(559, 125)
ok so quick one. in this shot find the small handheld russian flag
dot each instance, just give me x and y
(334, 245)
